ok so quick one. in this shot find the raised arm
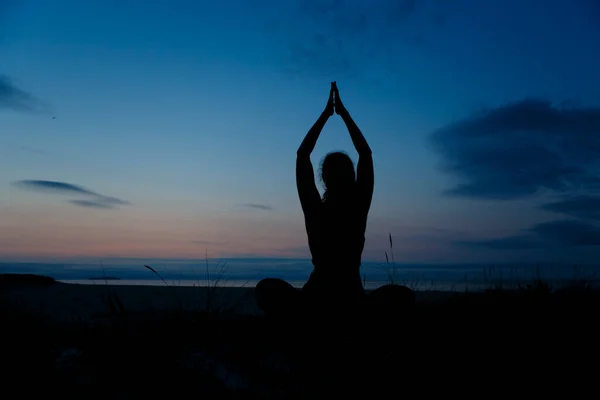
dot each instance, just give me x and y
(310, 140)
(364, 172)
(359, 141)
(305, 175)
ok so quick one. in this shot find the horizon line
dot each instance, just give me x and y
(101, 261)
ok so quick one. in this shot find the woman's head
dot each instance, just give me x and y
(337, 174)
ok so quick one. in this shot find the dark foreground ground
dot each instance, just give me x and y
(532, 342)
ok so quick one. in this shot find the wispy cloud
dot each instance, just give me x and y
(95, 200)
(15, 98)
(554, 234)
(257, 206)
(54, 186)
(33, 150)
(90, 204)
(25, 148)
(584, 207)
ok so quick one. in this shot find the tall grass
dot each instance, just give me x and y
(392, 273)
(390, 268)
(211, 288)
(490, 278)
(211, 282)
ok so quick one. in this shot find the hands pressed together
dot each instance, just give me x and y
(335, 103)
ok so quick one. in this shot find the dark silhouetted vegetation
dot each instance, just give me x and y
(534, 338)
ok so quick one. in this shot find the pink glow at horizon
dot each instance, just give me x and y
(65, 233)
(33, 227)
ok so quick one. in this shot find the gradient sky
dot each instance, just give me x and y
(169, 128)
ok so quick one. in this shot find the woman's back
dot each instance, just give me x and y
(336, 237)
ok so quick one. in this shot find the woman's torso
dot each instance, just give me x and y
(336, 238)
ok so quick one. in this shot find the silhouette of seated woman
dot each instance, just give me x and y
(335, 226)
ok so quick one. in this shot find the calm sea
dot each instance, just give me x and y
(245, 272)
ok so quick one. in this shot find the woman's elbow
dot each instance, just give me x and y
(302, 153)
(365, 152)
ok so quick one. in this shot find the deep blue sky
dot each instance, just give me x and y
(178, 122)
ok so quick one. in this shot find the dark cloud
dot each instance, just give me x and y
(526, 149)
(583, 207)
(12, 97)
(95, 200)
(520, 149)
(258, 206)
(565, 233)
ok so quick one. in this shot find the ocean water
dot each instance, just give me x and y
(428, 286)
(246, 272)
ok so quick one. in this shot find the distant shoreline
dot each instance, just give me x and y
(26, 280)
(18, 280)
(247, 272)
(104, 278)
